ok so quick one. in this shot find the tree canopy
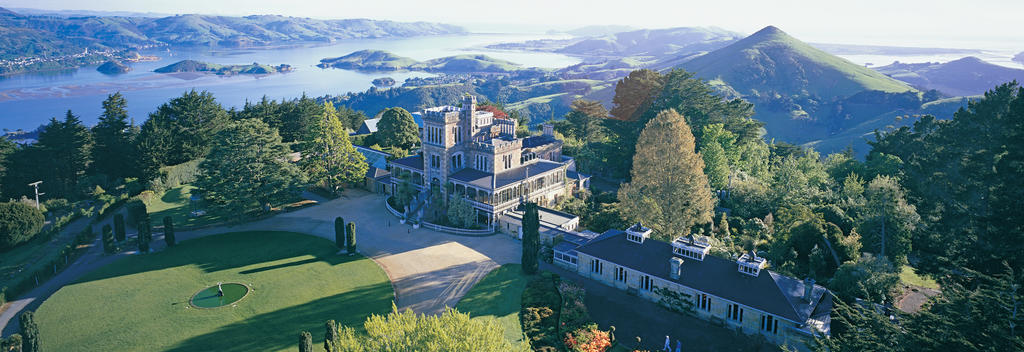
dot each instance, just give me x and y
(397, 128)
(450, 331)
(328, 157)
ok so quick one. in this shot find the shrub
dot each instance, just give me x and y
(136, 210)
(587, 339)
(145, 235)
(29, 332)
(119, 233)
(339, 232)
(539, 316)
(18, 223)
(350, 238)
(574, 314)
(169, 231)
(305, 342)
(108, 240)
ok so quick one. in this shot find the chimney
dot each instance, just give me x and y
(549, 129)
(808, 288)
(676, 267)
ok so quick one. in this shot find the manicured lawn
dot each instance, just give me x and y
(140, 303)
(497, 296)
(175, 203)
(909, 277)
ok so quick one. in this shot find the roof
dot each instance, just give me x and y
(483, 179)
(576, 175)
(534, 141)
(548, 217)
(413, 162)
(370, 125)
(374, 158)
(769, 292)
(377, 174)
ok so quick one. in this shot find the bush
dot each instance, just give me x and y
(119, 231)
(573, 314)
(108, 240)
(339, 232)
(350, 238)
(145, 236)
(136, 210)
(539, 316)
(587, 339)
(19, 223)
(169, 231)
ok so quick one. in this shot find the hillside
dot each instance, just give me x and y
(771, 62)
(966, 76)
(379, 60)
(646, 43)
(1019, 57)
(467, 63)
(205, 67)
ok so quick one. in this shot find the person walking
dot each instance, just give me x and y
(668, 344)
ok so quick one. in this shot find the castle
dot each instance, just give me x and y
(471, 153)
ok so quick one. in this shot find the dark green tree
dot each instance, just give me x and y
(296, 117)
(19, 223)
(531, 238)
(29, 332)
(397, 128)
(66, 149)
(305, 342)
(339, 232)
(328, 157)
(248, 168)
(179, 131)
(145, 236)
(350, 238)
(169, 231)
(7, 148)
(109, 246)
(119, 230)
(331, 338)
(114, 153)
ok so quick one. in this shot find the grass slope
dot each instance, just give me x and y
(369, 60)
(498, 297)
(175, 203)
(140, 303)
(772, 61)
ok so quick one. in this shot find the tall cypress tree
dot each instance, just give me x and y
(339, 232)
(119, 231)
(169, 231)
(145, 235)
(350, 238)
(29, 332)
(66, 148)
(114, 153)
(305, 342)
(668, 191)
(108, 240)
(329, 159)
(331, 337)
(531, 238)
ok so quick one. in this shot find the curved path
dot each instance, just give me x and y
(429, 270)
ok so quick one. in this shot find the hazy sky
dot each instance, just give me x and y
(993, 24)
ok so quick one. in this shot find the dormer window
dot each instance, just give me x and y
(691, 247)
(637, 233)
(751, 264)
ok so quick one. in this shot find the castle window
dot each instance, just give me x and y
(646, 283)
(704, 302)
(596, 266)
(620, 274)
(769, 324)
(735, 313)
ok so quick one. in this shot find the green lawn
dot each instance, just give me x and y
(175, 203)
(497, 297)
(909, 277)
(140, 303)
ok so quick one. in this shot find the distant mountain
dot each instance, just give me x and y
(82, 13)
(1019, 57)
(379, 60)
(966, 76)
(771, 62)
(651, 44)
(205, 67)
(4, 11)
(599, 30)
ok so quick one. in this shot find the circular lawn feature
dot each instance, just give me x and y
(142, 302)
(219, 295)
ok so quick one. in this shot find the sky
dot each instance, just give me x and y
(984, 24)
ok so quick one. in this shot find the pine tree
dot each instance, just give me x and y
(716, 166)
(181, 130)
(29, 332)
(339, 232)
(668, 191)
(328, 157)
(114, 152)
(531, 238)
(67, 153)
(331, 338)
(169, 231)
(119, 231)
(350, 238)
(305, 342)
(248, 168)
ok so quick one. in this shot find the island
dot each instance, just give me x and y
(223, 70)
(379, 60)
(113, 67)
(383, 82)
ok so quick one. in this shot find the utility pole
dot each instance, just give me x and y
(36, 185)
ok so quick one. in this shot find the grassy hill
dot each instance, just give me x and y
(966, 76)
(379, 60)
(771, 62)
(199, 66)
(467, 63)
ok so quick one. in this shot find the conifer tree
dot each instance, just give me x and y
(119, 231)
(531, 238)
(328, 157)
(350, 238)
(29, 332)
(668, 191)
(114, 153)
(331, 337)
(108, 240)
(66, 148)
(145, 235)
(305, 342)
(169, 231)
(339, 232)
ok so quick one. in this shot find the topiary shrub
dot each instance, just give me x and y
(136, 210)
(18, 223)
(350, 238)
(339, 232)
(145, 235)
(108, 240)
(119, 233)
(169, 231)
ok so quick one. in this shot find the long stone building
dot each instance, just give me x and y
(743, 293)
(473, 154)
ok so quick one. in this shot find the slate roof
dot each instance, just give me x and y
(769, 292)
(414, 162)
(482, 179)
(534, 141)
(374, 158)
(370, 125)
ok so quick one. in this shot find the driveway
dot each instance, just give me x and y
(429, 270)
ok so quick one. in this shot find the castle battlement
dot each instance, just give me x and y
(444, 114)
